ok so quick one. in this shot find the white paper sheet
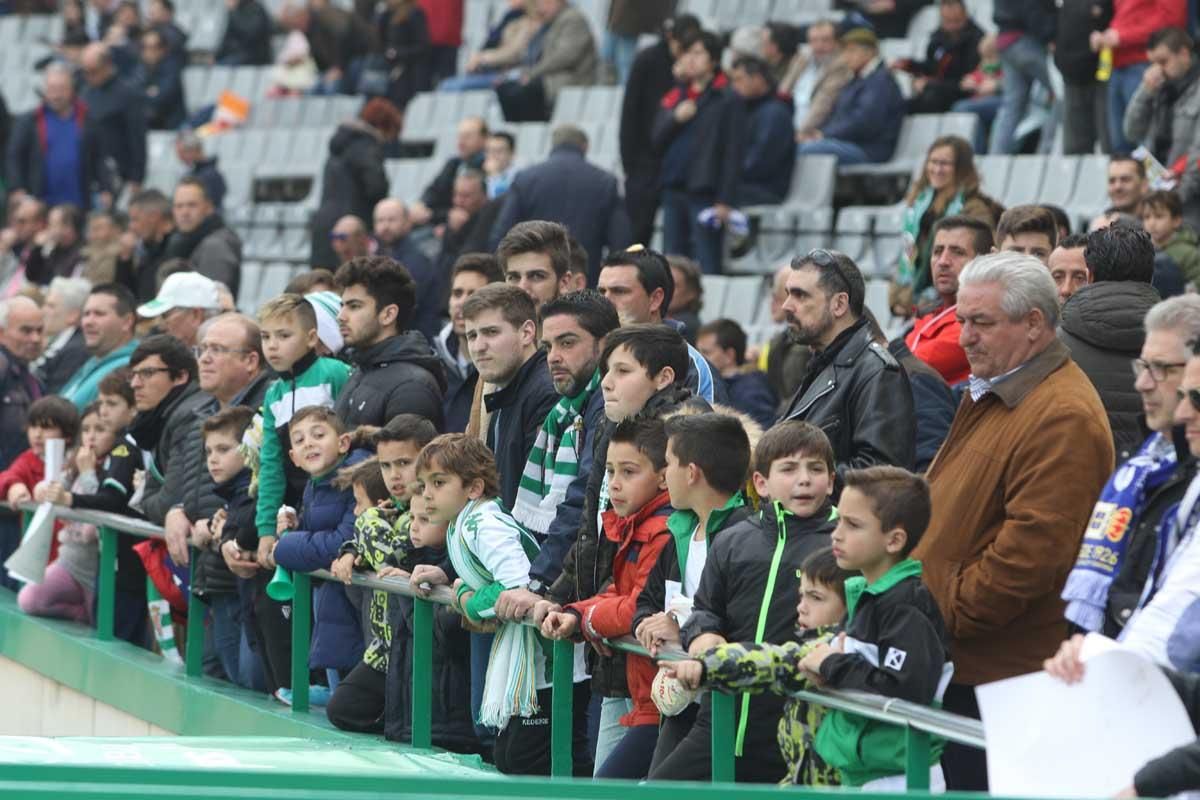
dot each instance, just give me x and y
(1048, 739)
(55, 451)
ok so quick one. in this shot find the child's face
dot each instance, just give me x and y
(115, 412)
(676, 477)
(424, 531)
(221, 456)
(398, 463)
(820, 605)
(627, 385)
(316, 446)
(801, 483)
(362, 500)
(284, 342)
(95, 435)
(859, 542)
(446, 494)
(38, 435)
(632, 479)
(1160, 224)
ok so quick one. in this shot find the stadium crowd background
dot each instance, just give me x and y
(818, 175)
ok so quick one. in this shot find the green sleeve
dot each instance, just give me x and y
(754, 668)
(480, 606)
(339, 376)
(271, 476)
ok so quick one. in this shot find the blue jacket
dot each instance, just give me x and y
(751, 393)
(770, 148)
(868, 113)
(326, 521)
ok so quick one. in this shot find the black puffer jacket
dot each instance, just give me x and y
(861, 398)
(161, 495)
(517, 413)
(1102, 326)
(588, 564)
(201, 498)
(18, 390)
(400, 375)
(354, 182)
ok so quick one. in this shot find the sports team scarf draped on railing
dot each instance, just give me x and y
(1106, 538)
(510, 683)
(553, 462)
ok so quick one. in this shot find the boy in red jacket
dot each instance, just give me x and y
(637, 521)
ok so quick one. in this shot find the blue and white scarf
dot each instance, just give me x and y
(1107, 536)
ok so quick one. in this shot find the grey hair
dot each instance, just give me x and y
(569, 134)
(73, 291)
(1026, 281)
(6, 305)
(1180, 314)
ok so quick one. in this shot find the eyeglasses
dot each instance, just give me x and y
(1192, 395)
(1157, 369)
(338, 237)
(201, 350)
(146, 373)
(824, 259)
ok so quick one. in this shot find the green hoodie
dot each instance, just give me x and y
(1182, 249)
(863, 749)
(682, 524)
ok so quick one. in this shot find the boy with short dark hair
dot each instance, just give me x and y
(894, 640)
(311, 539)
(723, 343)
(1027, 229)
(750, 580)
(637, 522)
(1162, 215)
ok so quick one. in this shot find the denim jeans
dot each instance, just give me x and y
(470, 82)
(847, 153)
(481, 649)
(1024, 62)
(985, 108)
(611, 731)
(684, 235)
(619, 51)
(1121, 86)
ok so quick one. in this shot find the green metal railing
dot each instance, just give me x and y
(920, 722)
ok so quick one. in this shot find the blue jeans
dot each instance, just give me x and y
(1024, 62)
(986, 109)
(469, 82)
(611, 732)
(847, 153)
(1121, 86)
(684, 235)
(630, 759)
(481, 649)
(619, 51)
(232, 645)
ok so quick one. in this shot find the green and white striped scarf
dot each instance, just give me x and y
(553, 462)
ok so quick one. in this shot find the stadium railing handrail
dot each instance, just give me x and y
(920, 722)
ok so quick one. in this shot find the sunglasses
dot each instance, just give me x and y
(1192, 395)
(825, 259)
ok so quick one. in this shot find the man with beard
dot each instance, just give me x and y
(853, 388)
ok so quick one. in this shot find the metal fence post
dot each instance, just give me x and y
(422, 673)
(301, 635)
(196, 608)
(916, 747)
(106, 584)
(723, 731)
(562, 709)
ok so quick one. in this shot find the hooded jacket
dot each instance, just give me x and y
(516, 414)
(895, 646)
(639, 538)
(326, 522)
(213, 249)
(748, 593)
(1182, 248)
(354, 181)
(861, 398)
(400, 375)
(1102, 326)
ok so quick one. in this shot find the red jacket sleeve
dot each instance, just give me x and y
(26, 468)
(610, 613)
(1135, 21)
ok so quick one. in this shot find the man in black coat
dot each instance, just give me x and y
(118, 112)
(501, 327)
(247, 37)
(396, 370)
(1084, 117)
(700, 133)
(144, 245)
(952, 53)
(566, 189)
(649, 79)
(853, 389)
(161, 80)
(438, 197)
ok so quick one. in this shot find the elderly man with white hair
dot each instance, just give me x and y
(65, 349)
(1012, 487)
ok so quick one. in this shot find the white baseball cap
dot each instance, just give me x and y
(182, 290)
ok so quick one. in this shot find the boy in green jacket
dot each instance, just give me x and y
(1162, 215)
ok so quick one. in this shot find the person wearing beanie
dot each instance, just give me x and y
(327, 305)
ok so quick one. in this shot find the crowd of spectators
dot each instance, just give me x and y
(443, 397)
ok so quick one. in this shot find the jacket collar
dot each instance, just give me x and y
(505, 397)
(633, 528)
(682, 524)
(857, 587)
(1013, 390)
(253, 388)
(301, 366)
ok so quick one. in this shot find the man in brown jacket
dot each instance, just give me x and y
(1013, 487)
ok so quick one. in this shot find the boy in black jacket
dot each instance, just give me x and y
(748, 590)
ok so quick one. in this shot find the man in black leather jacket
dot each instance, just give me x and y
(853, 389)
